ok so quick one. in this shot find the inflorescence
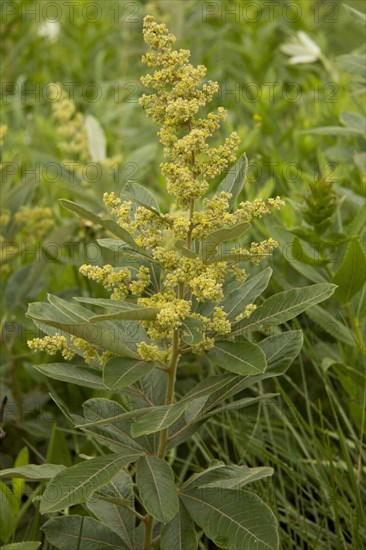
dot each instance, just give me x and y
(175, 241)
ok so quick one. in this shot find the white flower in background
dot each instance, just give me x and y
(50, 30)
(301, 49)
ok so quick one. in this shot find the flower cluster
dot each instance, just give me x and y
(74, 141)
(34, 222)
(180, 92)
(59, 344)
(211, 328)
(31, 224)
(52, 345)
(3, 132)
(256, 251)
(151, 352)
(172, 312)
(71, 126)
(112, 280)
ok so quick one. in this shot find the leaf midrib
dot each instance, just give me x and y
(259, 321)
(228, 517)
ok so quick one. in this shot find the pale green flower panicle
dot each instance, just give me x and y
(175, 242)
(179, 93)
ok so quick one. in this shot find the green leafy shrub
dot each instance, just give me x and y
(179, 290)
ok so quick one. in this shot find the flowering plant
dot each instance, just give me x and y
(179, 291)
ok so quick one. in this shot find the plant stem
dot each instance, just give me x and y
(169, 398)
(149, 523)
(170, 390)
(356, 328)
(189, 237)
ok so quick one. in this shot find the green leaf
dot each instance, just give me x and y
(235, 406)
(81, 533)
(157, 419)
(106, 302)
(75, 312)
(26, 545)
(243, 358)
(117, 431)
(107, 507)
(214, 239)
(195, 408)
(180, 245)
(97, 143)
(351, 274)
(208, 386)
(21, 283)
(112, 226)
(298, 251)
(331, 131)
(106, 335)
(354, 122)
(281, 349)
(119, 373)
(353, 64)
(58, 451)
(359, 16)
(356, 226)
(192, 331)
(232, 519)
(179, 533)
(78, 483)
(234, 181)
(157, 490)
(285, 306)
(235, 302)
(33, 472)
(140, 195)
(76, 374)
(234, 256)
(135, 314)
(227, 477)
(125, 254)
(121, 416)
(235, 384)
(8, 511)
(18, 484)
(283, 236)
(330, 324)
